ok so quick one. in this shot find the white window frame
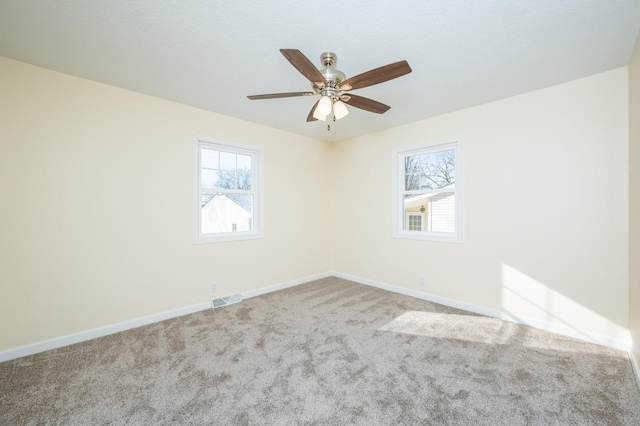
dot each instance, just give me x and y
(257, 185)
(398, 190)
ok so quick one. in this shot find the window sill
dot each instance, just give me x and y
(228, 237)
(431, 236)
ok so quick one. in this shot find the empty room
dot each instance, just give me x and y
(302, 213)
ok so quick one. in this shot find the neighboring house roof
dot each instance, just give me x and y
(239, 199)
(417, 200)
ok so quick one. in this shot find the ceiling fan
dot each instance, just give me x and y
(333, 86)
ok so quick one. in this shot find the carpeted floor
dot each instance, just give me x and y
(329, 352)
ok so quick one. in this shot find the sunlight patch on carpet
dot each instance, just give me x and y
(449, 326)
(478, 329)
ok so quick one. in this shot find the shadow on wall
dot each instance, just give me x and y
(530, 301)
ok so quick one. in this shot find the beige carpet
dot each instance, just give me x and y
(327, 352)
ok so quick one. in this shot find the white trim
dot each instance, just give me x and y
(258, 190)
(282, 286)
(83, 336)
(398, 207)
(228, 236)
(636, 368)
(34, 348)
(622, 344)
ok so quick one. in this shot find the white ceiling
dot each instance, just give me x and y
(212, 54)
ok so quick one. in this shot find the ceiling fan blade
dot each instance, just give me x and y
(376, 76)
(304, 65)
(310, 117)
(280, 95)
(367, 104)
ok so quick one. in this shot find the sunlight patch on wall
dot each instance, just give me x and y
(532, 302)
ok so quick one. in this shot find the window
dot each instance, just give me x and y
(428, 192)
(228, 191)
(415, 221)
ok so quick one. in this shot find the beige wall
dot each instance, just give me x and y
(85, 167)
(96, 207)
(546, 207)
(634, 200)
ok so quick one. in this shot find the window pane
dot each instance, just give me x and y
(209, 158)
(447, 166)
(227, 213)
(244, 162)
(411, 164)
(243, 178)
(437, 169)
(438, 210)
(428, 180)
(228, 180)
(205, 197)
(414, 212)
(208, 178)
(411, 181)
(243, 173)
(432, 170)
(412, 172)
(227, 161)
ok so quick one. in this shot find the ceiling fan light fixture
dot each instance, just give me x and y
(318, 116)
(324, 106)
(340, 110)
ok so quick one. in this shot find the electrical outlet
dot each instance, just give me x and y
(423, 281)
(214, 287)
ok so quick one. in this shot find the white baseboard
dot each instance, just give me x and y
(636, 368)
(59, 342)
(282, 286)
(83, 336)
(622, 344)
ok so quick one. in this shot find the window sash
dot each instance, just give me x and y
(401, 214)
(254, 211)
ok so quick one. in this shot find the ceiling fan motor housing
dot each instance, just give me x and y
(332, 76)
